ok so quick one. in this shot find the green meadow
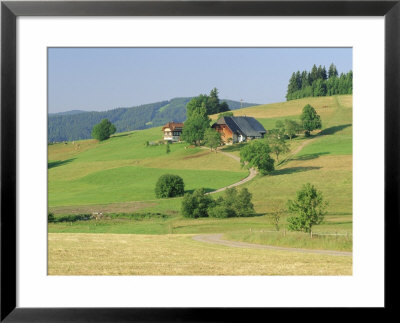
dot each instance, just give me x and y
(119, 176)
(124, 169)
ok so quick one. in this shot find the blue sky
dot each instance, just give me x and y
(98, 79)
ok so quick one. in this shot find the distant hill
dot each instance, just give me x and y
(67, 112)
(76, 124)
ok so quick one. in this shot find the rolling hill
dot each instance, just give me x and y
(90, 172)
(118, 176)
(77, 124)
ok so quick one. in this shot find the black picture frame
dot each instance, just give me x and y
(10, 10)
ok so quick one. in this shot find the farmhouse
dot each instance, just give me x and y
(172, 131)
(239, 129)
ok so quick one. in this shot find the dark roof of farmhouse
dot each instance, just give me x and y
(247, 126)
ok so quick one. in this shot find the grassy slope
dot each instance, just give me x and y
(123, 169)
(325, 160)
(114, 165)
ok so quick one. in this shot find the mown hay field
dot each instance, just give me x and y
(128, 254)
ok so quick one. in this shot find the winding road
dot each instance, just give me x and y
(216, 238)
(253, 173)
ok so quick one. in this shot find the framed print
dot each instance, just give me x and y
(135, 179)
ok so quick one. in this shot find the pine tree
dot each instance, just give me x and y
(314, 74)
(332, 71)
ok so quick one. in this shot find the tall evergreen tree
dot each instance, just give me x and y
(332, 71)
(319, 83)
(298, 81)
(304, 79)
(314, 74)
(324, 74)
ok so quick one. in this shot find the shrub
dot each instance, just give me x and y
(73, 218)
(169, 185)
(196, 205)
(220, 211)
(232, 204)
(237, 203)
(243, 205)
(137, 216)
(50, 217)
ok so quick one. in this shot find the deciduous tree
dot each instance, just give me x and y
(310, 208)
(291, 128)
(103, 130)
(196, 205)
(277, 143)
(195, 126)
(212, 138)
(310, 119)
(169, 185)
(257, 154)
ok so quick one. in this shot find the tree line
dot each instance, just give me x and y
(319, 82)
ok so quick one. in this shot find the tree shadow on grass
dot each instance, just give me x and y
(207, 190)
(59, 163)
(334, 129)
(121, 135)
(253, 215)
(310, 156)
(234, 147)
(293, 170)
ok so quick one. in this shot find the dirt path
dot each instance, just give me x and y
(296, 151)
(253, 171)
(216, 238)
(252, 174)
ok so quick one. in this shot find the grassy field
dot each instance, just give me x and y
(177, 254)
(123, 169)
(118, 176)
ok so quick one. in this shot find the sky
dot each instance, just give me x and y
(99, 79)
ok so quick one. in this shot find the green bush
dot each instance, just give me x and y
(196, 205)
(220, 211)
(169, 185)
(137, 216)
(243, 205)
(237, 203)
(231, 204)
(73, 218)
(50, 217)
